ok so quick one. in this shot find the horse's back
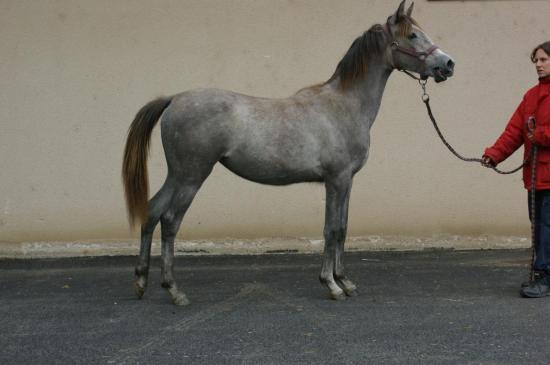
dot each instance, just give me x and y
(213, 117)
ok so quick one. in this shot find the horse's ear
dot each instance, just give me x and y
(399, 14)
(410, 10)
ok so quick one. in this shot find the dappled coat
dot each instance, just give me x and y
(536, 103)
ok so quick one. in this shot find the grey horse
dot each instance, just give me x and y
(320, 134)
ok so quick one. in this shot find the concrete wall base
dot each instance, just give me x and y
(232, 246)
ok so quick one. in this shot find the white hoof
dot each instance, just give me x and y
(180, 299)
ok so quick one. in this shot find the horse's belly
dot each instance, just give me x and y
(274, 170)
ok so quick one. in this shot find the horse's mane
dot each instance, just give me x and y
(353, 66)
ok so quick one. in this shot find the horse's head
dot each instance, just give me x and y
(411, 49)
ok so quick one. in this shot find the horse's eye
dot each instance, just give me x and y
(412, 36)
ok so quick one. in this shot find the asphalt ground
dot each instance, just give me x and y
(436, 307)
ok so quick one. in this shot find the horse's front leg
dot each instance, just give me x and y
(342, 281)
(337, 195)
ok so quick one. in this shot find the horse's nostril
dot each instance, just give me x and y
(450, 65)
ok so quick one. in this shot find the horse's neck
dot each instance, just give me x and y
(366, 94)
(370, 90)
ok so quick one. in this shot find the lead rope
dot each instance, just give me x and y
(534, 153)
(532, 158)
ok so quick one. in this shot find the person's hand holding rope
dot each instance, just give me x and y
(487, 162)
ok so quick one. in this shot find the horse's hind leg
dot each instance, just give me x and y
(157, 205)
(170, 222)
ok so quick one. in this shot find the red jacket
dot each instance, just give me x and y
(536, 102)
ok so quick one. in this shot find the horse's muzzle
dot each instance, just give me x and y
(443, 72)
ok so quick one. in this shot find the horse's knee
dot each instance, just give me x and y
(335, 235)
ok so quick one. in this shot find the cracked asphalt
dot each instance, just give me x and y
(423, 307)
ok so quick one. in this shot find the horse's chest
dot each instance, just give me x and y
(359, 151)
(360, 159)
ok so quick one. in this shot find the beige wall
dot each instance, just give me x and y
(75, 72)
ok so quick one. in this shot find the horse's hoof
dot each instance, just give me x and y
(338, 296)
(349, 287)
(350, 290)
(140, 290)
(180, 299)
(351, 293)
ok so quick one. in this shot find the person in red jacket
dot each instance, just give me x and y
(530, 125)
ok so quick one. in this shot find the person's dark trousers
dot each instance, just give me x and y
(541, 286)
(542, 230)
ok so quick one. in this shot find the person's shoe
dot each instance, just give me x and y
(537, 289)
(538, 275)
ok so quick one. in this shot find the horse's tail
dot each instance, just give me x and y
(134, 165)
